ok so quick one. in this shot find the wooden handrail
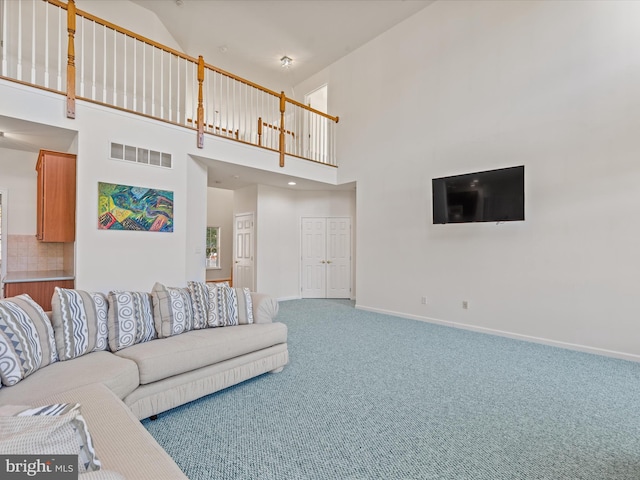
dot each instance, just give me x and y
(71, 56)
(72, 11)
(275, 127)
(313, 110)
(124, 31)
(241, 80)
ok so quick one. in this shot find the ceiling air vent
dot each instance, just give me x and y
(128, 153)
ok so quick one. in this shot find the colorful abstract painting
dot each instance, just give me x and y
(123, 207)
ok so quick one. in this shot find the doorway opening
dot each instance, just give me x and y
(317, 127)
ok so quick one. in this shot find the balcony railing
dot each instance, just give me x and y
(52, 45)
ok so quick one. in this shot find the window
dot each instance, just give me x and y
(213, 247)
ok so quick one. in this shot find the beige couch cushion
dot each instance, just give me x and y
(119, 374)
(121, 442)
(166, 357)
(265, 307)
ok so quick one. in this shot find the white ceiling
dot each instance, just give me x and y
(248, 37)
(31, 137)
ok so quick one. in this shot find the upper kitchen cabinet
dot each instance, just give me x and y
(56, 202)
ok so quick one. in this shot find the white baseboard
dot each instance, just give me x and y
(527, 338)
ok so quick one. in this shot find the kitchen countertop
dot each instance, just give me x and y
(37, 276)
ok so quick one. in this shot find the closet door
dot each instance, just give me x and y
(338, 257)
(326, 257)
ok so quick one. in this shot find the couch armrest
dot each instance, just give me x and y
(265, 308)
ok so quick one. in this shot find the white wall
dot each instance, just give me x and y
(18, 177)
(220, 214)
(466, 86)
(106, 259)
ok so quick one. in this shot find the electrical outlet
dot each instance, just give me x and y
(424, 300)
(465, 305)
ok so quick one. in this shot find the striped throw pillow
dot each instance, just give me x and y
(26, 339)
(233, 305)
(172, 310)
(79, 322)
(130, 319)
(199, 293)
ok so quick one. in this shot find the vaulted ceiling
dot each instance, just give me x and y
(248, 37)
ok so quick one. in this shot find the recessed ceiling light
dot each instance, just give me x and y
(286, 61)
(291, 183)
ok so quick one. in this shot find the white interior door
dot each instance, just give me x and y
(314, 261)
(338, 257)
(243, 271)
(326, 257)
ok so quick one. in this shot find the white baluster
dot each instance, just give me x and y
(153, 81)
(125, 87)
(144, 78)
(19, 66)
(33, 42)
(115, 67)
(60, 36)
(93, 61)
(104, 66)
(135, 76)
(46, 45)
(82, 26)
(4, 39)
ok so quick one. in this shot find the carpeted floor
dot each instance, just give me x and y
(369, 396)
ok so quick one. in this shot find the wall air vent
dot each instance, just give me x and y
(145, 156)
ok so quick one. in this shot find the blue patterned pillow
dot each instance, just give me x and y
(229, 306)
(172, 310)
(79, 322)
(199, 292)
(26, 339)
(130, 319)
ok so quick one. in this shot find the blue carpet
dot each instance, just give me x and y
(370, 396)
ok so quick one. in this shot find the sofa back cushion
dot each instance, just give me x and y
(79, 322)
(200, 303)
(172, 310)
(26, 339)
(130, 319)
(220, 304)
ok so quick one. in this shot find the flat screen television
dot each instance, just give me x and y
(490, 196)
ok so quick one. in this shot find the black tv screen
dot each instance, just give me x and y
(490, 196)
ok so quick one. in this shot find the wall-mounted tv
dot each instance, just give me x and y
(490, 196)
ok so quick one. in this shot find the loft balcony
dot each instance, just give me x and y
(52, 45)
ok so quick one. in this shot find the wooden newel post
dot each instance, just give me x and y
(282, 107)
(71, 56)
(200, 122)
(260, 131)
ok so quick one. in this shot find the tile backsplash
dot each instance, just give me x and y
(26, 254)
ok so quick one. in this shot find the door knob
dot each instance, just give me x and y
(328, 261)
(322, 261)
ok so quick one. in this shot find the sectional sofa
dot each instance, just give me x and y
(205, 338)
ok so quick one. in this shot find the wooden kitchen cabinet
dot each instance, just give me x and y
(56, 197)
(41, 291)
